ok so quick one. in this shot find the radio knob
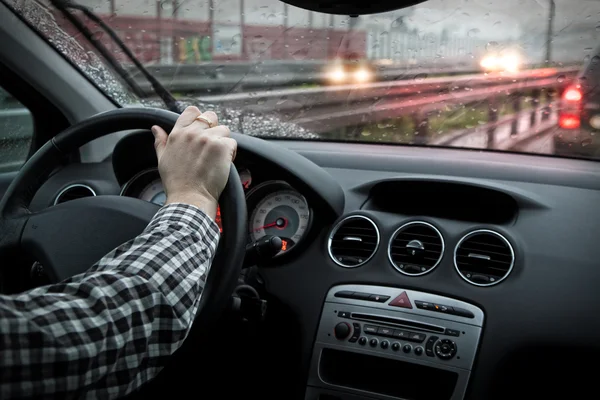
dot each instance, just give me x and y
(445, 349)
(342, 331)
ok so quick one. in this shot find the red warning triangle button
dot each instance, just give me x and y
(401, 301)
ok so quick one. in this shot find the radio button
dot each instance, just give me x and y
(418, 350)
(407, 348)
(373, 342)
(342, 331)
(452, 332)
(370, 329)
(362, 341)
(395, 346)
(385, 332)
(385, 344)
(429, 346)
(400, 334)
(343, 314)
(445, 349)
(356, 332)
(416, 337)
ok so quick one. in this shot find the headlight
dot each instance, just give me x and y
(510, 63)
(337, 74)
(362, 75)
(489, 63)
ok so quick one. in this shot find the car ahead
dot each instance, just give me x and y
(578, 130)
(349, 71)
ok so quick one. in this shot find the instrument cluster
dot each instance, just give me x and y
(274, 207)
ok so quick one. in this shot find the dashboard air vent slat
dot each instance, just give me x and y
(72, 192)
(416, 248)
(353, 241)
(484, 258)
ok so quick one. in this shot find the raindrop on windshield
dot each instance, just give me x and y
(586, 58)
(166, 4)
(491, 45)
(236, 38)
(397, 22)
(262, 100)
(560, 78)
(598, 27)
(271, 17)
(586, 142)
(300, 54)
(497, 23)
(595, 60)
(473, 32)
(420, 77)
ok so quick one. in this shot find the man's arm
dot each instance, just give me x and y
(104, 333)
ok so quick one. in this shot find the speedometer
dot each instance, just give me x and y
(281, 211)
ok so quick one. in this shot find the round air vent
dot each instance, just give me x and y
(353, 241)
(73, 192)
(484, 258)
(416, 248)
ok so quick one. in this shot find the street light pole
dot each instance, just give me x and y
(549, 32)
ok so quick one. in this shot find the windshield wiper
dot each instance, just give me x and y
(65, 6)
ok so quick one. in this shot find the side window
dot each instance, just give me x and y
(16, 132)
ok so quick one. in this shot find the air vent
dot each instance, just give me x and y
(353, 241)
(416, 248)
(73, 192)
(484, 258)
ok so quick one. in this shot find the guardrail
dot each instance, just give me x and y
(245, 76)
(325, 109)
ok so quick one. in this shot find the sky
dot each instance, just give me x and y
(576, 22)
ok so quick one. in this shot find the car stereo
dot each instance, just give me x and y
(376, 342)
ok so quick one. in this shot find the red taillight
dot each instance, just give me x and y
(569, 121)
(572, 94)
(570, 112)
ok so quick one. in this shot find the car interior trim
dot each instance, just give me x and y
(491, 232)
(73, 186)
(336, 228)
(393, 237)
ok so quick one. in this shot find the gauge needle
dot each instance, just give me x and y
(280, 223)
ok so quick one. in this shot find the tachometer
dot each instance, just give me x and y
(279, 211)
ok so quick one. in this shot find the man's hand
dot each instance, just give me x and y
(194, 160)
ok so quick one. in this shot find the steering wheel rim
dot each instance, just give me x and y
(23, 230)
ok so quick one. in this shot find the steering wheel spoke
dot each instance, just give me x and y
(69, 238)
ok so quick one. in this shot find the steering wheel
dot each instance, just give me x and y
(70, 237)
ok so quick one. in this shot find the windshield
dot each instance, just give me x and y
(503, 75)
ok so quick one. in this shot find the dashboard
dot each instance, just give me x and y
(477, 271)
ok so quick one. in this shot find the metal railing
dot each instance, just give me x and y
(325, 109)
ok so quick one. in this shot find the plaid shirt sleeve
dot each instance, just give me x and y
(103, 333)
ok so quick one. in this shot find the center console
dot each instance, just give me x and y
(376, 342)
